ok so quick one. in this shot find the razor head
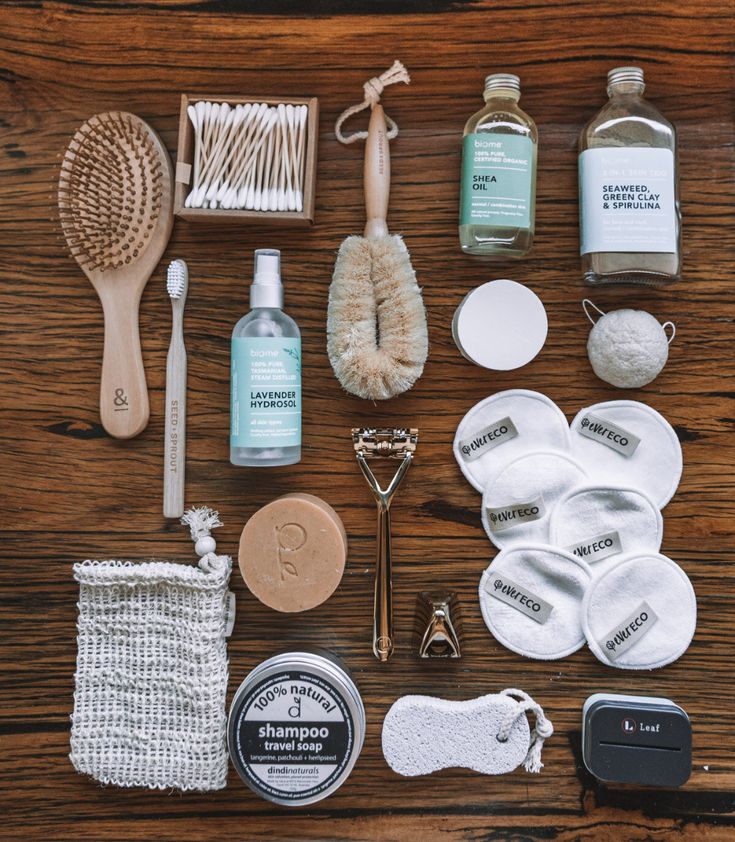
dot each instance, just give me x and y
(387, 441)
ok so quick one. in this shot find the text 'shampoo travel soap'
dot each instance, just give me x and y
(498, 188)
(296, 727)
(630, 222)
(265, 381)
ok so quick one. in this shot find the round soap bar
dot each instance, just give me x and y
(293, 552)
(500, 325)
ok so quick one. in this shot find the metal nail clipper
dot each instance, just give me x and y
(394, 444)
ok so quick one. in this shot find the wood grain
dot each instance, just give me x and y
(70, 492)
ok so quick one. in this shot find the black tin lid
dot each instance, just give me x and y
(636, 740)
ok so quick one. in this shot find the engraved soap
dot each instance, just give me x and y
(293, 552)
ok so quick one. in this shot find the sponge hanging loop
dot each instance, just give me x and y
(588, 303)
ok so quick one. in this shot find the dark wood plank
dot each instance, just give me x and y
(70, 492)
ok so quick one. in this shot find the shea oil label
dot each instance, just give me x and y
(497, 180)
(627, 201)
(266, 392)
(293, 736)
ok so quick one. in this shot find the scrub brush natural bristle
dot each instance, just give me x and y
(376, 325)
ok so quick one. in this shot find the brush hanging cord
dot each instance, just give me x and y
(373, 88)
(377, 338)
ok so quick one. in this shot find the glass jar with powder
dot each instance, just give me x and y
(630, 222)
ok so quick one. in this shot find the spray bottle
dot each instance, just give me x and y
(265, 381)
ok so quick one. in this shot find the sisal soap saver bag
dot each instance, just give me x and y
(149, 698)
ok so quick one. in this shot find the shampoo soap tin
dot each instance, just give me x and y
(296, 727)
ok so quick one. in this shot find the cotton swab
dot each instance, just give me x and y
(247, 156)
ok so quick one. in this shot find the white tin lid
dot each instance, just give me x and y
(500, 325)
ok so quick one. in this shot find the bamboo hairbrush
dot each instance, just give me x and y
(115, 191)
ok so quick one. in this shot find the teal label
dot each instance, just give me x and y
(265, 406)
(497, 180)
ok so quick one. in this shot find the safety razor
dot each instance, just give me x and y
(394, 444)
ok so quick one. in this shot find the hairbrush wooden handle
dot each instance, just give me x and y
(376, 176)
(124, 409)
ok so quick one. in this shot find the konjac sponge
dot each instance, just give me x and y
(628, 348)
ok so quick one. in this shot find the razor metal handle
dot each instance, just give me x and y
(383, 600)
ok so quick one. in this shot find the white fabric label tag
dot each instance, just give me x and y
(597, 548)
(518, 597)
(611, 435)
(506, 517)
(229, 613)
(486, 439)
(629, 632)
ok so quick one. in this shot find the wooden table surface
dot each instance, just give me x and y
(70, 492)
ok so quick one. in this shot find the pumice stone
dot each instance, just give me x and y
(627, 348)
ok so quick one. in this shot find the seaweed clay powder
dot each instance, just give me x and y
(296, 727)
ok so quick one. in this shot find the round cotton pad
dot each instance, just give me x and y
(641, 613)
(504, 426)
(629, 444)
(517, 504)
(531, 600)
(500, 325)
(600, 524)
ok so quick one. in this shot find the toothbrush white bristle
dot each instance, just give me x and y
(176, 278)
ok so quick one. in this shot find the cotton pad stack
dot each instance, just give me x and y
(576, 514)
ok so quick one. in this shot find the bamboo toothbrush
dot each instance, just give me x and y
(177, 283)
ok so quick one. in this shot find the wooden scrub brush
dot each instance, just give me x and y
(376, 324)
(115, 203)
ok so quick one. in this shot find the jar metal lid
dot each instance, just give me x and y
(500, 325)
(508, 81)
(625, 75)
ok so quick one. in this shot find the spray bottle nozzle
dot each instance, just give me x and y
(266, 289)
(267, 269)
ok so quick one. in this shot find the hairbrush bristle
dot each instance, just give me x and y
(177, 278)
(110, 190)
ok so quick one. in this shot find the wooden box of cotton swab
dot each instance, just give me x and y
(247, 158)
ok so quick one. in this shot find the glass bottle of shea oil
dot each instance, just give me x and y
(498, 187)
(265, 379)
(630, 221)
